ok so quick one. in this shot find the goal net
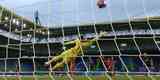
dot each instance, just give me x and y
(130, 50)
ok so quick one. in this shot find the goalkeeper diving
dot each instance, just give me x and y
(69, 55)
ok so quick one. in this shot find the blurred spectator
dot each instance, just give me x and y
(36, 16)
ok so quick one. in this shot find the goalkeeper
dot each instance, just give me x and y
(69, 55)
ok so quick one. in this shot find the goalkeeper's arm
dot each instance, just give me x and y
(90, 42)
(98, 36)
(69, 42)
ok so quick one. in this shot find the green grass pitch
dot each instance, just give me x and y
(80, 77)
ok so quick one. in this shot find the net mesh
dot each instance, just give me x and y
(130, 48)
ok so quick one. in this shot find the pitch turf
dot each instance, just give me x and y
(80, 77)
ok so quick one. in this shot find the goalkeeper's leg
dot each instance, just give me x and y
(58, 65)
(61, 59)
(56, 58)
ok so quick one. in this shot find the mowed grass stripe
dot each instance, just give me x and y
(82, 77)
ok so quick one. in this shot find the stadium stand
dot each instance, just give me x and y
(22, 40)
